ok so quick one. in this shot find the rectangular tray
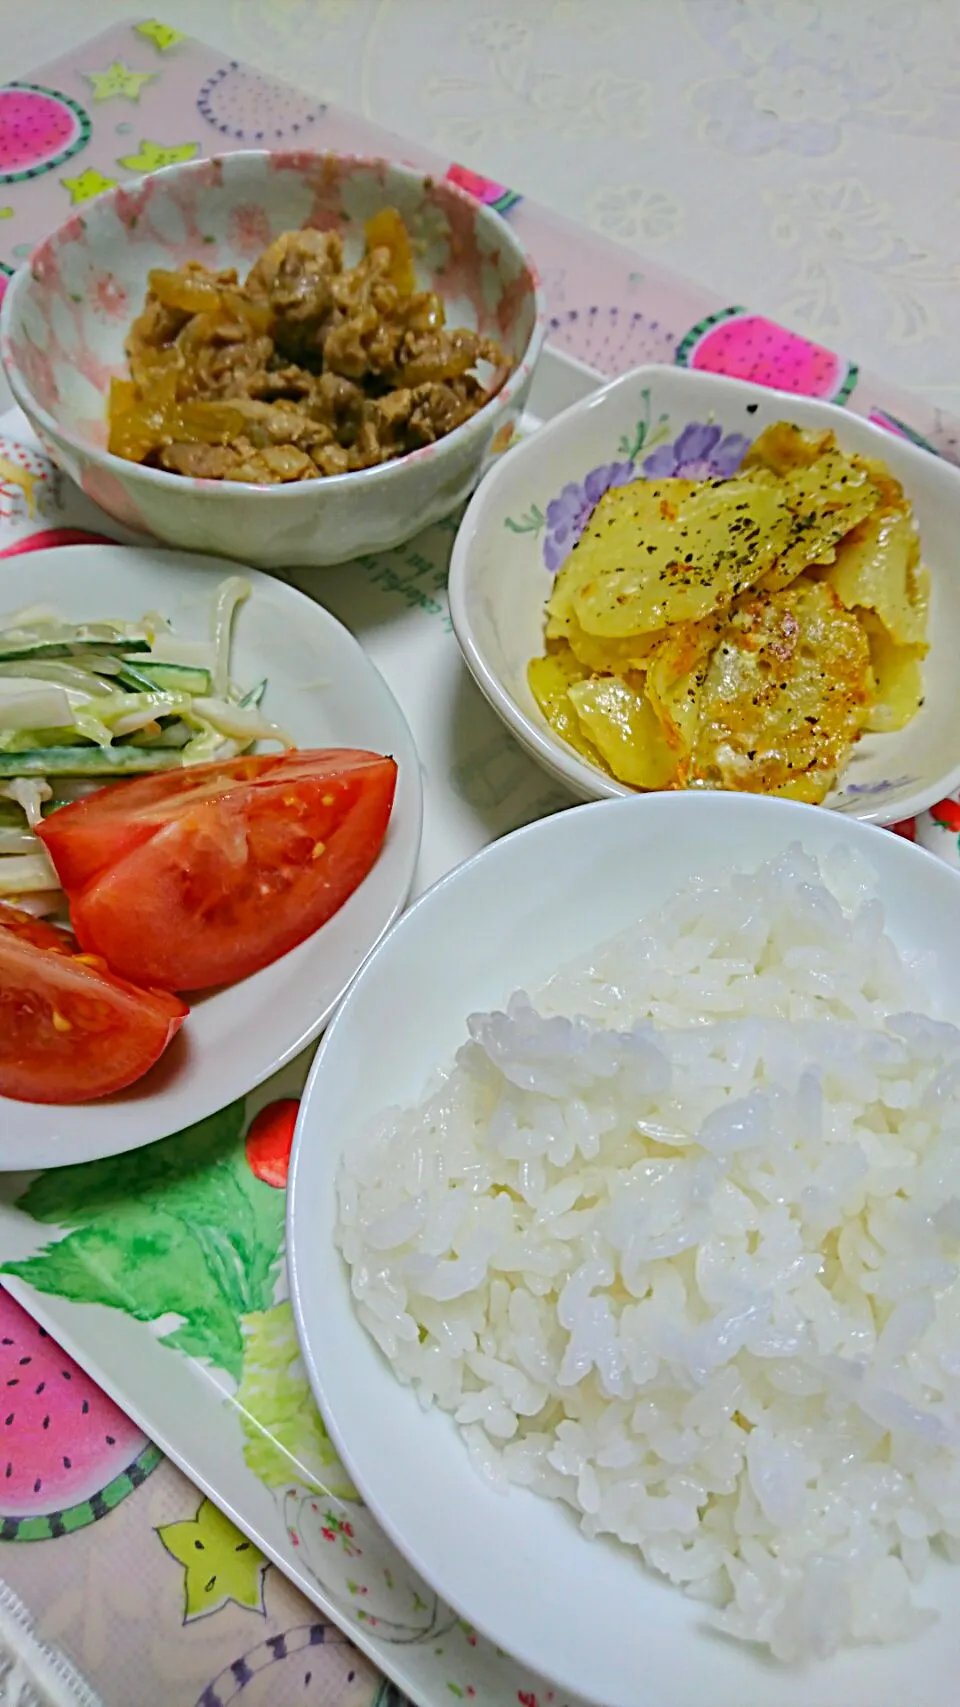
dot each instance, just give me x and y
(101, 1223)
(478, 785)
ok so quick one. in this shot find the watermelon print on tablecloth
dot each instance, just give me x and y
(5, 274)
(68, 1455)
(39, 129)
(485, 190)
(256, 1680)
(251, 107)
(613, 339)
(742, 345)
(900, 430)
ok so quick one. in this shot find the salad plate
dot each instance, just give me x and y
(323, 692)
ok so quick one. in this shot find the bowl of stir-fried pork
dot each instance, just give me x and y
(693, 582)
(286, 358)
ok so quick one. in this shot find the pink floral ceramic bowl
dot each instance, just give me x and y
(66, 314)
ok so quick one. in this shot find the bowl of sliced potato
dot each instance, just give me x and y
(687, 581)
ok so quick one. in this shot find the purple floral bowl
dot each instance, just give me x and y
(656, 423)
(66, 313)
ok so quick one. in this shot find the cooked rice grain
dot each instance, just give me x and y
(689, 1260)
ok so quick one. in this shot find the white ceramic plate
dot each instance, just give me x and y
(585, 1614)
(326, 693)
(500, 581)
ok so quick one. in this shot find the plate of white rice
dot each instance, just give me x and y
(624, 1236)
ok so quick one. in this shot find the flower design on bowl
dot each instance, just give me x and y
(107, 296)
(568, 514)
(701, 452)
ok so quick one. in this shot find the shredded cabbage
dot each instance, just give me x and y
(77, 689)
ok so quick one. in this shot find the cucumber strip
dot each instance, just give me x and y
(133, 679)
(89, 761)
(12, 651)
(173, 678)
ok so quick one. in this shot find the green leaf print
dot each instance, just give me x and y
(533, 522)
(285, 1437)
(182, 1227)
(645, 434)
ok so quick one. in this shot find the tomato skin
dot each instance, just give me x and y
(70, 1031)
(83, 839)
(93, 833)
(215, 877)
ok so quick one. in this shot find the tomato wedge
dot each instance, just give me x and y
(69, 1030)
(195, 878)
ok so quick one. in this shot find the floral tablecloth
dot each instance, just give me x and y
(153, 1594)
(794, 154)
(798, 155)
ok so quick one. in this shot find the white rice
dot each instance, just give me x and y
(689, 1261)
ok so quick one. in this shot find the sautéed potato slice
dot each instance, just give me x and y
(618, 717)
(657, 553)
(898, 678)
(788, 690)
(551, 679)
(740, 633)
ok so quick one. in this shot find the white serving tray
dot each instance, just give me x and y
(478, 785)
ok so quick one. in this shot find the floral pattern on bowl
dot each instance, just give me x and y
(663, 422)
(66, 314)
(700, 451)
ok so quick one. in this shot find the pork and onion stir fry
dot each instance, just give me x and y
(304, 369)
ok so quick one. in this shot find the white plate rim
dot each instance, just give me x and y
(79, 1142)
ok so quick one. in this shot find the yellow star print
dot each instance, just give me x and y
(118, 81)
(153, 155)
(6, 212)
(89, 183)
(219, 1563)
(12, 475)
(162, 36)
